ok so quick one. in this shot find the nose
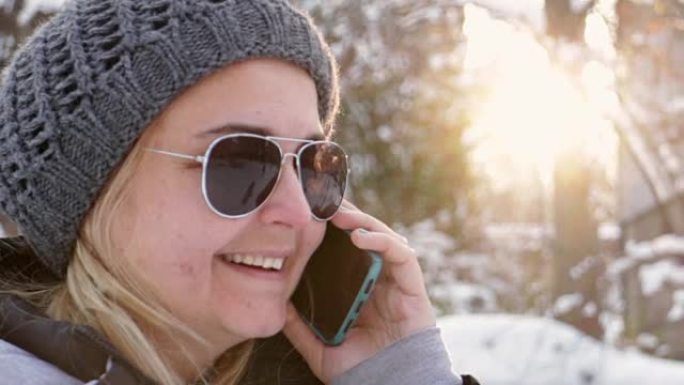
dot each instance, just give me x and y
(287, 204)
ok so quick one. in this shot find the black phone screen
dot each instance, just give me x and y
(331, 281)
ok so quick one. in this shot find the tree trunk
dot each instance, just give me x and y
(565, 23)
(577, 266)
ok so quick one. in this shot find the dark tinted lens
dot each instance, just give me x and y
(241, 172)
(324, 177)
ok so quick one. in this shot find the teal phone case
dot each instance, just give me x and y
(361, 297)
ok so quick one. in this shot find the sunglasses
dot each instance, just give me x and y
(240, 172)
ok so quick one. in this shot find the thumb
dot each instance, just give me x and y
(304, 340)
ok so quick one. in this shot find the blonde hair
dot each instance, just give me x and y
(102, 291)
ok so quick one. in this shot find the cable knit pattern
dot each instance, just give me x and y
(81, 90)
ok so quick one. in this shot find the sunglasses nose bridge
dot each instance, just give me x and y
(288, 155)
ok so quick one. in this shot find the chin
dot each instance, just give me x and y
(263, 330)
(259, 324)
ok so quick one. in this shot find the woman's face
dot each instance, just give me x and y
(169, 234)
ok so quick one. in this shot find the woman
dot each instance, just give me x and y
(132, 140)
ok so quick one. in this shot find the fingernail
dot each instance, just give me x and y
(363, 231)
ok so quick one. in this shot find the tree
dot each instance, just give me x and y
(402, 109)
(565, 20)
(12, 31)
(650, 40)
(576, 264)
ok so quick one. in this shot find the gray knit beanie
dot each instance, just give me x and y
(82, 89)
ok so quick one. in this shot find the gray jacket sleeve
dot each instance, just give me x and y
(418, 359)
(20, 367)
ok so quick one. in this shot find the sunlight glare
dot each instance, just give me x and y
(597, 35)
(531, 112)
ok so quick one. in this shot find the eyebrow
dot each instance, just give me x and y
(234, 128)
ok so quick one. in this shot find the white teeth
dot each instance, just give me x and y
(257, 261)
(278, 264)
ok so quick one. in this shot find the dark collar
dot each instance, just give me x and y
(77, 350)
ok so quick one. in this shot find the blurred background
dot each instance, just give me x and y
(532, 151)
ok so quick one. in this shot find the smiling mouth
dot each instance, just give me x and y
(254, 261)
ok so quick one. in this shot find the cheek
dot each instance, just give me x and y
(310, 241)
(314, 237)
(160, 232)
(169, 209)
(176, 264)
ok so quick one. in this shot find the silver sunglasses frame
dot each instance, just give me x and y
(284, 156)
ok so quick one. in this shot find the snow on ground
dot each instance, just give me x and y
(511, 350)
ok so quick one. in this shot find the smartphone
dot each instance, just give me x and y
(336, 282)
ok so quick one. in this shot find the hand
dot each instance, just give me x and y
(397, 308)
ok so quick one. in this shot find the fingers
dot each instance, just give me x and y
(349, 217)
(401, 261)
(401, 287)
(399, 256)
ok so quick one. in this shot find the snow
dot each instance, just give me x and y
(518, 230)
(609, 231)
(590, 309)
(659, 269)
(34, 6)
(676, 313)
(582, 267)
(6, 5)
(463, 297)
(654, 276)
(528, 11)
(567, 302)
(667, 245)
(664, 245)
(647, 340)
(613, 325)
(430, 244)
(578, 5)
(676, 105)
(504, 349)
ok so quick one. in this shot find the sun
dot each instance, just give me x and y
(534, 114)
(532, 111)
